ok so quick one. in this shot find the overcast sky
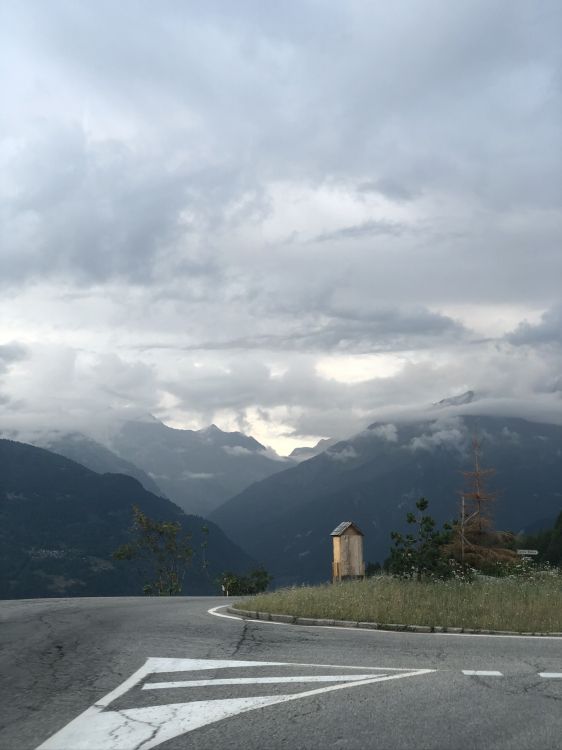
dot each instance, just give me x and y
(281, 217)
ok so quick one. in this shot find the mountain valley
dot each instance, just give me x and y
(60, 523)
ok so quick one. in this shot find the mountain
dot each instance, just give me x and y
(60, 523)
(375, 478)
(464, 398)
(197, 469)
(304, 453)
(91, 454)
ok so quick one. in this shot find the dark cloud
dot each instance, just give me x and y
(365, 229)
(345, 329)
(10, 353)
(390, 188)
(92, 211)
(548, 331)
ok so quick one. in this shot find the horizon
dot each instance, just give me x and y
(444, 412)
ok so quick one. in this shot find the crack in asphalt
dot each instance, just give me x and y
(115, 734)
(241, 638)
(65, 654)
(519, 690)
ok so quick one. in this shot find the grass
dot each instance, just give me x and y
(493, 604)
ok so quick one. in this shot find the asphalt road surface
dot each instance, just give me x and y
(136, 673)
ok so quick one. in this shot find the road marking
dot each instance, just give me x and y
(214, 612)
(481, 673)
(255, 681)
(142, 728)
(551, 675)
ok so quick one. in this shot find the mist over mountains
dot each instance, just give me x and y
(304, 453)
(196, 469)
(95, 456)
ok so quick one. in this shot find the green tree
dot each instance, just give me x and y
(162, 552)
(548, 542)
(420, 553)
(255, 582)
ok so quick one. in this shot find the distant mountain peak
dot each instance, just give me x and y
(210, 430)
(147, 418)
(464, 398)
(306, 452)
(181, 459)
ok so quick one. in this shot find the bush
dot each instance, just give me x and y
(420, 554)
(255, 582)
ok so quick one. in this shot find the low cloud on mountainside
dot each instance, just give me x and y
(282, 218)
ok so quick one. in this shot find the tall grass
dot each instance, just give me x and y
(496, 604)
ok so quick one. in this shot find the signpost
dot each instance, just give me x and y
(527, 552)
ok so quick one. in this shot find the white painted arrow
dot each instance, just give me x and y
(100, 728)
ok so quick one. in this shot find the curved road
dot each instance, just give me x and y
(64, 661)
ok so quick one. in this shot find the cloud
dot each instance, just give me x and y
(386, 432)
(93, 211)
(10, 353)
(196, 475)
(237, 450)
(200, 208)
(548, 331)
(388, 187)
(450, 434)
(344, 325)
(370, 228)
(80, 390)
(347, 453)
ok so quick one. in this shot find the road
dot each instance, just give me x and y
(312, 687)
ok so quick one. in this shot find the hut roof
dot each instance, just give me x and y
(344, 526)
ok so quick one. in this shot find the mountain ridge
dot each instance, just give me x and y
(60, 523)
(196, 469)
(375, 478)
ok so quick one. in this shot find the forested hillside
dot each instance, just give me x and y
(60, 523)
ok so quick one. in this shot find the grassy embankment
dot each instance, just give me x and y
(496, 604)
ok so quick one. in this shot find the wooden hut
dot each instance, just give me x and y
(348, 552)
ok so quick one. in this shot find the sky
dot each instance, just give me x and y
(281, 218)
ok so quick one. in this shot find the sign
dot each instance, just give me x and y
(527, 552)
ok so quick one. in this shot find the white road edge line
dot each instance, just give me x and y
(213, 611)
(481, 673)
(256, 681)
(551, 675)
